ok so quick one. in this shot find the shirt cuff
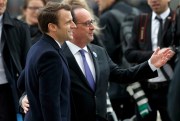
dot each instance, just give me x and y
(153, 68)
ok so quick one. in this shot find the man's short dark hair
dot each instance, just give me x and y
(49, 14)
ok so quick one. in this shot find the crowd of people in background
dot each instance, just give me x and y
(89, 60)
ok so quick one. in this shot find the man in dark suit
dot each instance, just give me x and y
(47, 79)
(149, 32)
(88, 101)
(173, 95)
(14, 45)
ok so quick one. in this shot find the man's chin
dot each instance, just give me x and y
(91, 39)
(70, 37)
(2, 10)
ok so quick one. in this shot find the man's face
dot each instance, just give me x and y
(104, 4)
(3, 4)
(85, 28)
(158, 6)
(66, 25)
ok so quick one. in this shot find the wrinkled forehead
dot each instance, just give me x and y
(82, 14)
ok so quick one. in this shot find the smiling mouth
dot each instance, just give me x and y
(70, 32)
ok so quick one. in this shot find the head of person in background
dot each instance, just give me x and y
(105, 4)
(159, 6)
(29, 15)
(30, 10)
(3, 5)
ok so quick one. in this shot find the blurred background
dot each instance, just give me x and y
(15, 6)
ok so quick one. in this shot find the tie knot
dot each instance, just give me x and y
(159, 19)
(82, 52)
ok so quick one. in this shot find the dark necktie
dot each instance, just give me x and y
(160, 29)
(88, 73)
(165, 72)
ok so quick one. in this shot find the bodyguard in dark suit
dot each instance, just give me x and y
(149, 33)
(47, 77)
(14, 45)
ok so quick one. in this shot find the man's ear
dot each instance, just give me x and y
(52, 27)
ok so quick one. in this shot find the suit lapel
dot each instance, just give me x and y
(74, 65)
(95, 61)
(148, 32)
(50, 40)
(3, 38)
(63, 57)
(166, 25)
(70, 58)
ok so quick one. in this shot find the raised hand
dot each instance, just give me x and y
(161, 56)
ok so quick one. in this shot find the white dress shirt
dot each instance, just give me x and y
(75, 51)
(58, 43)
(154, 37)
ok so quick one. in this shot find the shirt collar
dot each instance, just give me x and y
(74, 48)
(1, 17)
(58, 43)
(163, 15)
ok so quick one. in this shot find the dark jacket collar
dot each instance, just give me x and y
(7, 20)
(50, 40)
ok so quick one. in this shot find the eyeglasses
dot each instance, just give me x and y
(88, 23)
(34, 8)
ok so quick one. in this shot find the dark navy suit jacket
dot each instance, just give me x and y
(86, 104)
(47, 82)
